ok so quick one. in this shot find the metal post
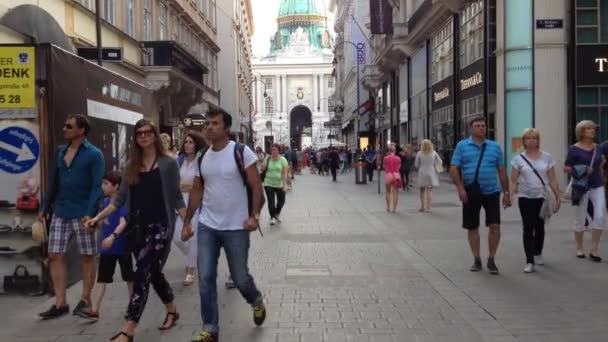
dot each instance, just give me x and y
(251, 124)
(358, 105)
(98, 29)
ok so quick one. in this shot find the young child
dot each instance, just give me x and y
(113, 247)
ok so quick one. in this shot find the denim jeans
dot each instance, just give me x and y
(236, 248)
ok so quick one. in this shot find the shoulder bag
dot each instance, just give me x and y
(549, 200)
(474, 189)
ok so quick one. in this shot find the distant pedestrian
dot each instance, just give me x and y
(407, 162)
(229, 179)
(73, 197)
(427, 162)
(475, 165)
(392, 179)
(168, 145)
(151, 191)
(334, 163)
(114, 247)
(533, 171)
(583, 163)
(370, 159)
(275, 183)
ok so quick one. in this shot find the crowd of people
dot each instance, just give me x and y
(209, 196)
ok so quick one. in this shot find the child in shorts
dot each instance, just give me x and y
(113, 248)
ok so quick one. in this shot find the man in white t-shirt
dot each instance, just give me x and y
(224, 221)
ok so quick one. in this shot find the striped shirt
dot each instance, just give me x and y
(466, 157)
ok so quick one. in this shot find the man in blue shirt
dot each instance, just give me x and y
(475, 164)
(73, 197)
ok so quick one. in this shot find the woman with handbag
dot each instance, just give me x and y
(533, 180)
(427, 162)
(392, 178)
(192, 146)
(583, 164)
(151, 191)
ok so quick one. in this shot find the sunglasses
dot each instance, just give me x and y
(68, 126)
(144, 133)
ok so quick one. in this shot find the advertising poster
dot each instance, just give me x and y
(19, 183)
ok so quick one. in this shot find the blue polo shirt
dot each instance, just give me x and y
(466, 157)
(79, 186)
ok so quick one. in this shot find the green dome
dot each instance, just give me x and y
(293, 7)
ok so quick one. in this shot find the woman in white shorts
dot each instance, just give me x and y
(583, 163)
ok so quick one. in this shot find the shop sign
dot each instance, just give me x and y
(592, 64)
(442, 93)
(381, 17)
(17, 77)
(549, 24)
(471, 80)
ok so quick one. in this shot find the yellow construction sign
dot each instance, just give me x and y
(17, 77)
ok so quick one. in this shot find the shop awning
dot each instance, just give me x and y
(34, 22)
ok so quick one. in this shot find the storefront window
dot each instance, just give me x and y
(592, 21)
(587, 96)
(592, 104)
(442, 46)
(471, 34)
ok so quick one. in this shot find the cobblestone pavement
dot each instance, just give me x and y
(340, 268)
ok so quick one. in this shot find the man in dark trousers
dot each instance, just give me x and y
(334, 162)
(370, 158)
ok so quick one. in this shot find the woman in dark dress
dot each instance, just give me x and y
(151, 192)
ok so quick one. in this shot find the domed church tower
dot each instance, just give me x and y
(302, 30)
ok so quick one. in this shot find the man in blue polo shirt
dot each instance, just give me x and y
(73, 196)
(475, 165)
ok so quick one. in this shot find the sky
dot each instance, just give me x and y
(265, 13)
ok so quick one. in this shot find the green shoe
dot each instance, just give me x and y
(205, 336)
(259, 314)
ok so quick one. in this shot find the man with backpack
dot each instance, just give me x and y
(229, 186)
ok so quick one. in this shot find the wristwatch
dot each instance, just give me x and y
(115, 235)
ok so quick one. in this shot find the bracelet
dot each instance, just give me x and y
(115, 235)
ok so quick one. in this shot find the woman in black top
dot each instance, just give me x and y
(151, 191)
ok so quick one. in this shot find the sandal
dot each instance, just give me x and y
(122, 333)
(175, 316)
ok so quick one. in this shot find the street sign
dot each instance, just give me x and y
(107, 54)
(17, 77)
(549, 23)
(19, 150)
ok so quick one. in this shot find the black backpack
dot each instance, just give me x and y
(239, 149)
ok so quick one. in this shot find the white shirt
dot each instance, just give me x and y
(529, 184)
(186, 174)
(225, 205)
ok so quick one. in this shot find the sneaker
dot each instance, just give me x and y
(539, 260)
(206, 336)
(529, 268)
(89, 315)
(476, 265)
(55, 312)
(189, 280)
(492, 266)
(81, 308)
(272, 221)
(230, 285)
(278, 218)
(259, 314)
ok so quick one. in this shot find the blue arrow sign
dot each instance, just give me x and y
(19, 150)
